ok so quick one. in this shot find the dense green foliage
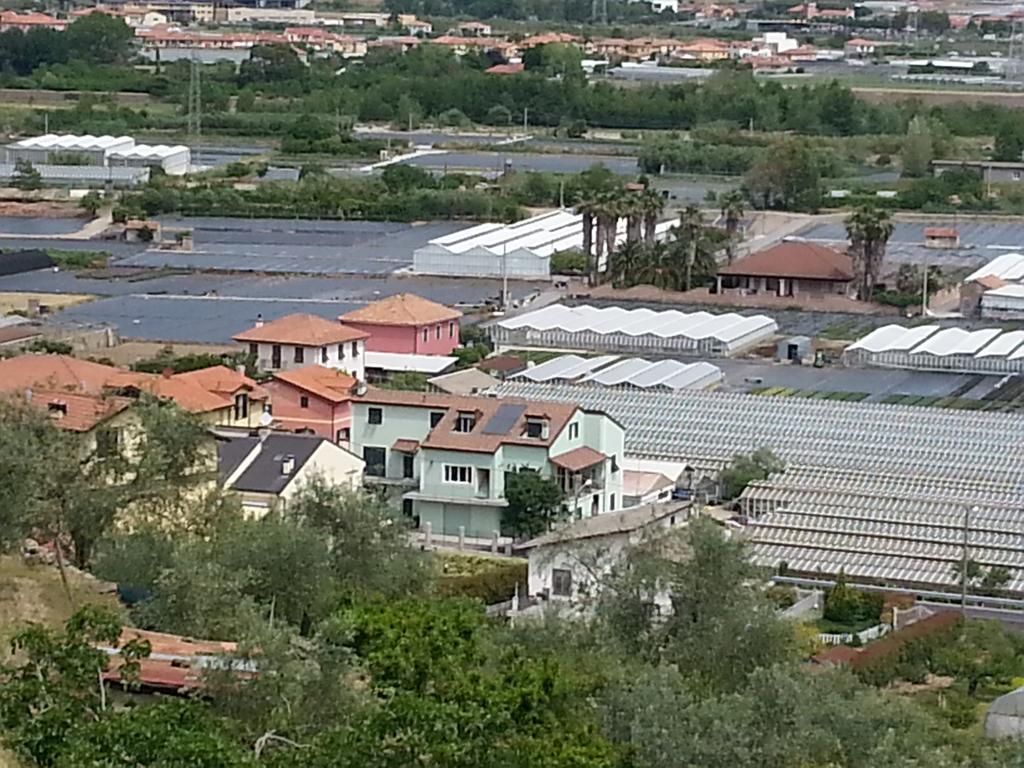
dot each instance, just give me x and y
(395, 678)
(846, 605)
(534, 503)
(746, 469)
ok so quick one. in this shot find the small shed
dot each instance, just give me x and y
(795, 349)
(1005, 716)
(142, 230)
(941, 237)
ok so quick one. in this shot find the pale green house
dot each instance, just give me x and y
(445, 456)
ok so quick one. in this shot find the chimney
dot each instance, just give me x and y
(33, 307)
(28, 395)
(288, 465)
(259, 320)
(167, 373)
(240, 370)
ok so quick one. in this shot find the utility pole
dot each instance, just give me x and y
(504, 276)
(968, 511)
(924, 292)
(195, 105)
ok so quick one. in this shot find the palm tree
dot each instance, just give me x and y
(608, 212)
(733, 207)
(632, 209)
(652, 205)
(625, 264)
(869, 230)
(691, 226)
(586, 207)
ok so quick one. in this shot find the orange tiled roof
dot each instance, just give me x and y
(223, 381)
(402, 309)
(187, 395)
(794, 259)
(443, 436)
(505, 69)
(308, 330)
(578, 459)
(54, 372)
(75, 411)
(329, 383)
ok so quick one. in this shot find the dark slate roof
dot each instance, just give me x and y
(24, 261)
(264, 474)
(231, 452)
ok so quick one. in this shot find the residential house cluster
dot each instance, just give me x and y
(447, 458)
(443, 458)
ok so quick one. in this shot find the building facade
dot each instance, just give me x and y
(296, 341)
(790, 268)
(407, 324)
(314, 400)
(268, 471)
(447, 457)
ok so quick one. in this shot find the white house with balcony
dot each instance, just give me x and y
(295, 341)
(446, 457)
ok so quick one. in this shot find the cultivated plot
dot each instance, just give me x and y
(198, 319)
(310, 247)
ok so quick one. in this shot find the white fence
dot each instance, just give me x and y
(845, 638)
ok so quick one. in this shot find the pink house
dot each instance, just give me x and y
(314, 400)
(407, 324)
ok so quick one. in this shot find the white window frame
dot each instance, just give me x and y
(458, 474)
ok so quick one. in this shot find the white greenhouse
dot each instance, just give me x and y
(644, 331)
(54, 149)
(519, 251)
(630, 373)
(931, 348)
(173, 160)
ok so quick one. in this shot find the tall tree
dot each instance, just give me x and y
(869, 230)
(653, 205)
(74, 485)
(917, 151)
(534, 503)
(734, 205)
(689, 231)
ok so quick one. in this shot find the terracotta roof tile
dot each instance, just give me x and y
(991, 282)
(188, 396)
(795, 259)
(940, 232)
(578, 459)
(76, 411)
(505, 69)
(224, 381)
(54, 372)
(478, 440)
(308, 330)
(402, 309)
(328, 383)
(406, 446)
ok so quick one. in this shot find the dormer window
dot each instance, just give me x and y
(536, 428)
(58, 409)
(465, 422)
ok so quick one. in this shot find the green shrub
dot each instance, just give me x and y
(491, 586)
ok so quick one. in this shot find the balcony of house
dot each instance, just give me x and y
(396, 468)
(581, 470)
